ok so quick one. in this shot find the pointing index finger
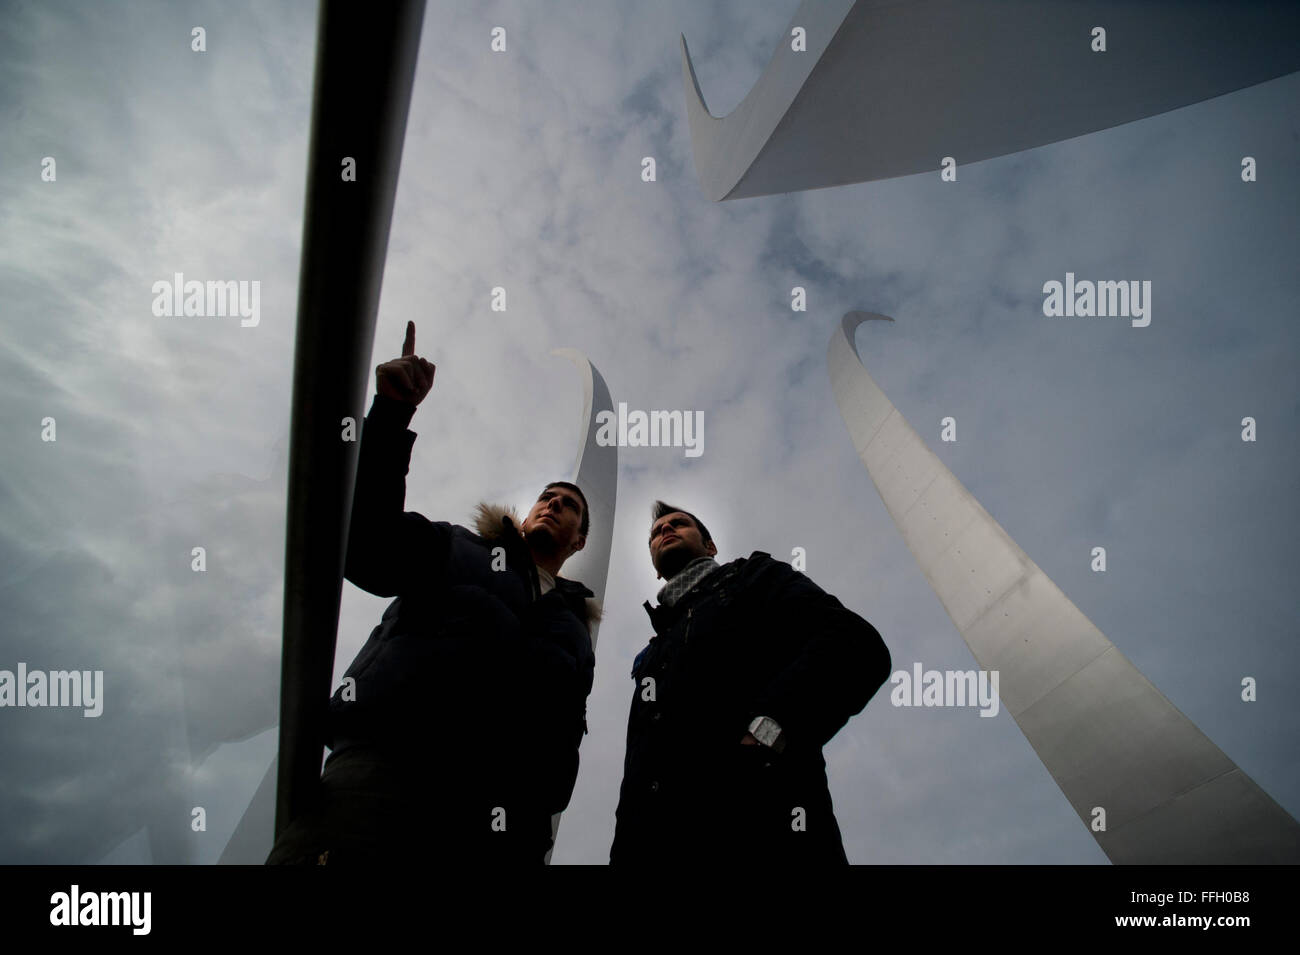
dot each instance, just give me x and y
(408, 346)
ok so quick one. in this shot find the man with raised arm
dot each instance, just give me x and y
(455, 734)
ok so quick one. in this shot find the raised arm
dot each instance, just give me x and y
(392, 551)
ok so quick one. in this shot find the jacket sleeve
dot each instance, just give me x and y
(560, 672)
(839, 660)
(571, 724)
(390, 551)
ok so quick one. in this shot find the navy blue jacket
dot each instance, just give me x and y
(470, 680)
(754, 638)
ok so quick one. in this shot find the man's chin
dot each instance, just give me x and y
(541, 538)
(670, 564)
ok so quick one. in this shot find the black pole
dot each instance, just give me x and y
(365, 67)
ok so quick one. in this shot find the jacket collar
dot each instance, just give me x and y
(498, 523)
(663, 617)
(494, 522)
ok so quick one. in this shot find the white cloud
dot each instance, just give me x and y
(523, 170)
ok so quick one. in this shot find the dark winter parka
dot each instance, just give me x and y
(470, 679)
(754, 638)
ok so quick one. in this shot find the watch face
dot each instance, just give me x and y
(765, 731)
(1096, 335)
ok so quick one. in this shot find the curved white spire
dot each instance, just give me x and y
(1109, 738)
(889, 89)
(596, 472)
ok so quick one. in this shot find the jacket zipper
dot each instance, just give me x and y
(687, 636)
(523, 556)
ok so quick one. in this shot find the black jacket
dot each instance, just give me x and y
(470, 681)
(755, 638)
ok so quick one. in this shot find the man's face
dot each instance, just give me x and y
(675, 541)
(557, 515)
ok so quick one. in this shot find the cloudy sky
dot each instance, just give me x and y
(522, 170)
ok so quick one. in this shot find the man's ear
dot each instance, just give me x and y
(582, 542)
(713, 549)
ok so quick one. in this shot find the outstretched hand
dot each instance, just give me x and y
(408, 378)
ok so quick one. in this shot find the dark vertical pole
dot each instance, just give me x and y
(365, 67)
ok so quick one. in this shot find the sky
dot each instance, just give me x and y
(522, 170)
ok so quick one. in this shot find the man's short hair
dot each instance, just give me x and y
(586, 511)
(661, 509)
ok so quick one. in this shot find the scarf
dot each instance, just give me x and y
(686, 578)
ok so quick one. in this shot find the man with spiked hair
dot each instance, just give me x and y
(751, 671)
(455, 733)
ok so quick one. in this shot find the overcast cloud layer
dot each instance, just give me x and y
(522, 170)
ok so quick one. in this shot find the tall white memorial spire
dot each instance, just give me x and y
(859, 90)
(1110, 739)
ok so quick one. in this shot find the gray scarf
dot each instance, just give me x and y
(686, 578)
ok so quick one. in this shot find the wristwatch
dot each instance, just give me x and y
(768, 732)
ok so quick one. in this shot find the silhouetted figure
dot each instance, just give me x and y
(455, 734)
(752, 669)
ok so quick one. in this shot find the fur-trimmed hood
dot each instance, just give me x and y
(490, 524)
(489, 518)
